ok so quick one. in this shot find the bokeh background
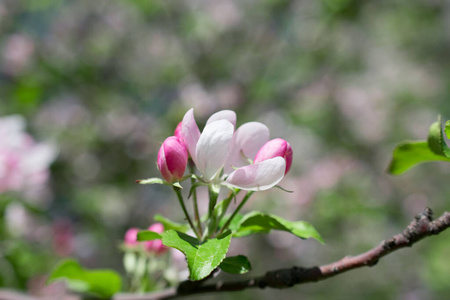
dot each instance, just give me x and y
(104, 82)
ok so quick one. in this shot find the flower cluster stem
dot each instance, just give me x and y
(212, 223)
(247, 196)
(180, 199)
(195, 203)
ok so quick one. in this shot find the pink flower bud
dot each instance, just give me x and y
(177, 131)
(156, 246)
(131, 237)
(172, 159)
(274, 148)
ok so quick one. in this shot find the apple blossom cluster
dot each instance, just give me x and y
(24, 164)
(243, 159)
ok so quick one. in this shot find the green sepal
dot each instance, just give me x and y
(153, 180)
(194, 186)
(177, 185)
(283, 189)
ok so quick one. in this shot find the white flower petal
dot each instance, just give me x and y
(228, 115)
(190, 133)
(258, 177)
(247, 141)
(213, 147)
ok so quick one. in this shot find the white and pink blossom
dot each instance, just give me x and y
(220, 147)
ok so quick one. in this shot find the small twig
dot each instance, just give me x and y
(421, 227)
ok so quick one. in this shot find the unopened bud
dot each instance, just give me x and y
(172, 159)
(274, 148)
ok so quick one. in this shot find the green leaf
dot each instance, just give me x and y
(153, 180)
(256, 222)
(202, 258)
(447, 129)
(436, 140)
(234, 225)
(168, 224)
(236, 265)
(102, 283)
(147, 235)
(409, 154)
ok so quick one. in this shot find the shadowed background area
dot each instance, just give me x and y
(103, 83)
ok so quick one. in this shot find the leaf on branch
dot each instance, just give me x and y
(153, 180)
(202, 258)
(101, 283)
(147, 235)
(236, 265)
(410, 153)
(256, 222)
(447, 129)
(168, 224)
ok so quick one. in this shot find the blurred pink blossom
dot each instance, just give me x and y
(156, 246)
(17, 53)
(24, 163)
(130, 238)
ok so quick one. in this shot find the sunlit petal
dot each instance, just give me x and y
(213, 147)
(247, 140)
(258, 177)
(228, 115)
(190, 133)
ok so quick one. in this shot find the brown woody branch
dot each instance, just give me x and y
(421, 227)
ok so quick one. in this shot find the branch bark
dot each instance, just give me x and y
(422, 226)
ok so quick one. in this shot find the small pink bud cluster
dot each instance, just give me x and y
(154, 246)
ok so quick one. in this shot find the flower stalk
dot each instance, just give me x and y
(183, 207)
(230, 219)
(194, 200)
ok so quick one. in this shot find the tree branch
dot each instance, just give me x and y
(421, 227)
